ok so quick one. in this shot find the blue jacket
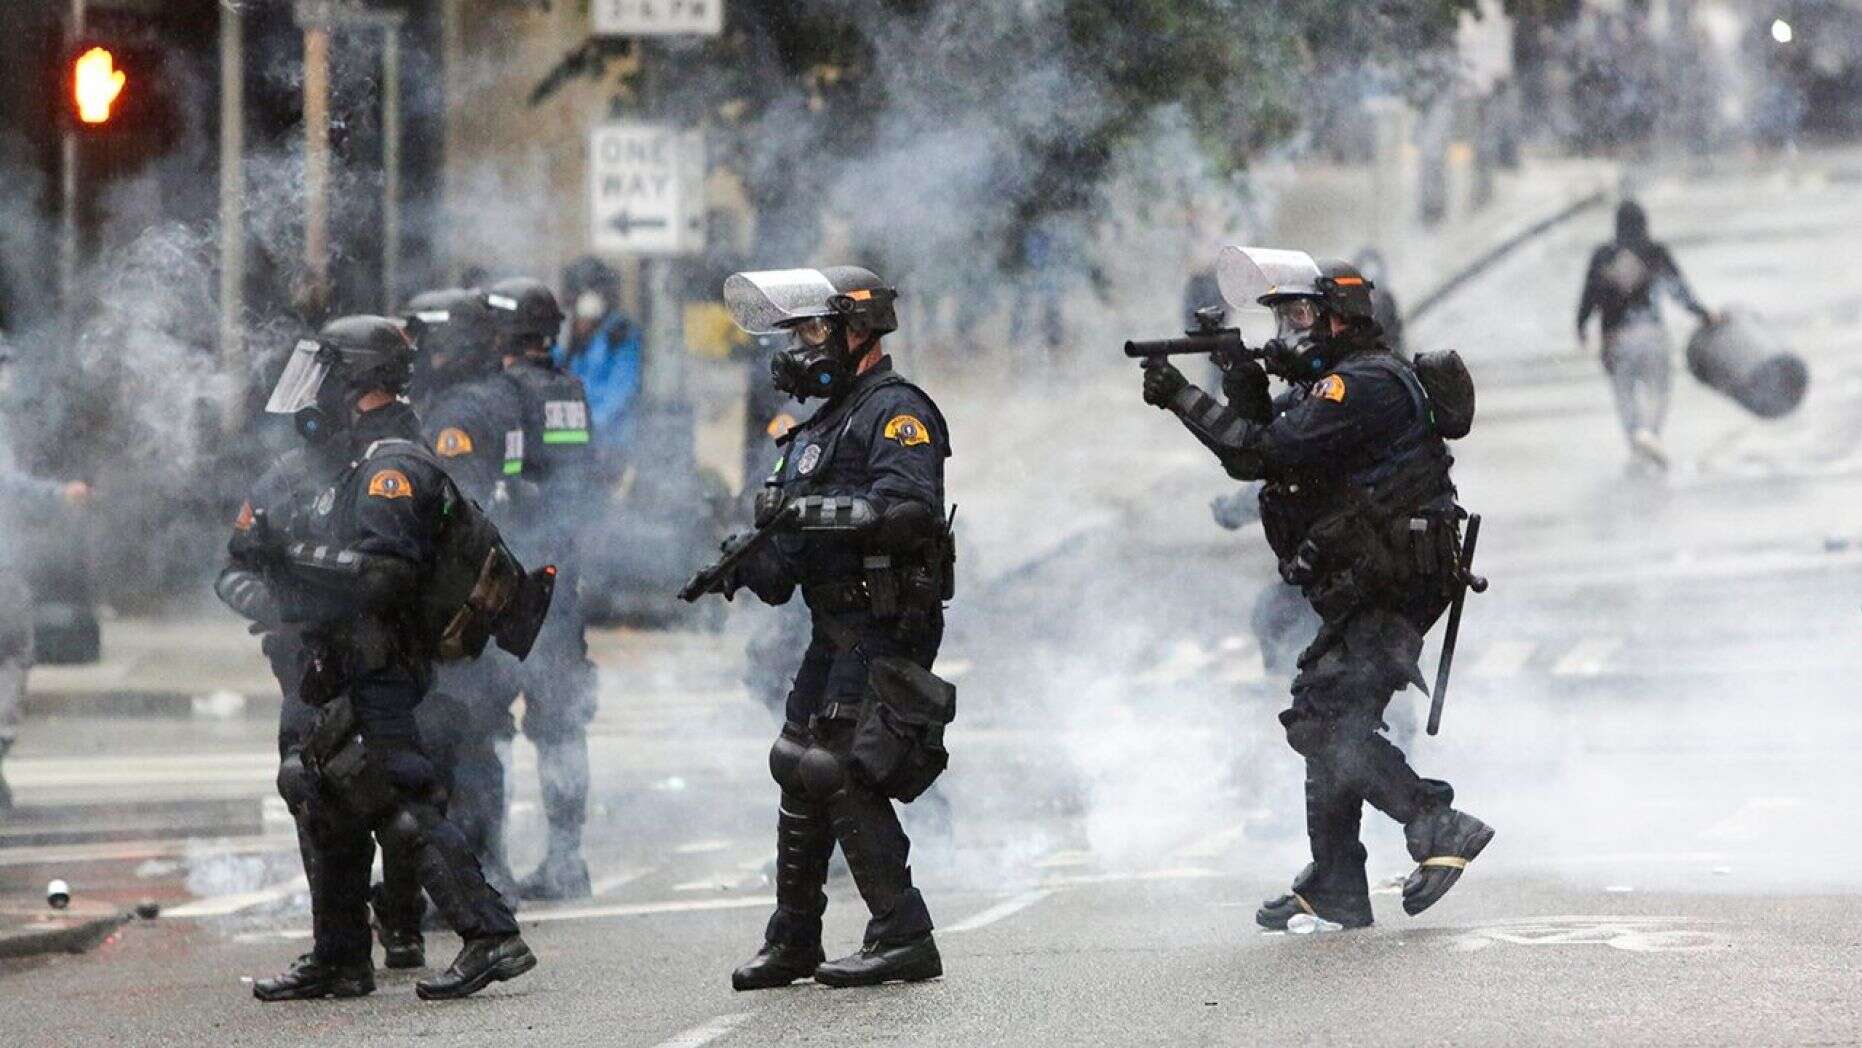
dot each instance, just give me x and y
(609, 367)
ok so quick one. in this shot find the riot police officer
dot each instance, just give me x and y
(362, 579)
(551, 451)
(466, 411)
(1359, 507)
(857, 502)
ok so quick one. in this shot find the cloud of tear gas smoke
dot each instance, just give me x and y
(129, 393)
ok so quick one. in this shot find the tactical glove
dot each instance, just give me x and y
(1162, 383)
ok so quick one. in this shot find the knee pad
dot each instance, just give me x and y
(785, 761)
(295, 784)
(822, 773)
(401, 832)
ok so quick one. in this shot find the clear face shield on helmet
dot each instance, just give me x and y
(303, 376)
(1247, 275)
(795, 302)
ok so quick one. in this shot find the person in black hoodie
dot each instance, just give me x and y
(1621, 287)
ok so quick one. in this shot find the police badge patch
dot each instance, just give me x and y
(452, 442)
(811, 457)
(391, 484)
(907, 430)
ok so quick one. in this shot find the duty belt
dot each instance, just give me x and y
(838, 596)
(847, 711)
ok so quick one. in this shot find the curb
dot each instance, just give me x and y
(60, 936)
(142, 703)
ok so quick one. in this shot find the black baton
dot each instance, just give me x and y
(1468, 581)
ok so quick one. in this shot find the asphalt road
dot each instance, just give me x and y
(1653, 706)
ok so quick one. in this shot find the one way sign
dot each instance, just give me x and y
(646, 190)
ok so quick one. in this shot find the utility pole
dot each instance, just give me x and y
(233, 204)
(391, 168)
(68, 174)
(319, 18)
(317, 161)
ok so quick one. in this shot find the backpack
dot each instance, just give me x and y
(1450, 389)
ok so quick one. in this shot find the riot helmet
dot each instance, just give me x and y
(819, 309)
(524, 313)
(1305, 296)
(452, 333)
(326, 376)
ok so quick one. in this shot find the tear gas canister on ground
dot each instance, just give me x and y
(1735, 357)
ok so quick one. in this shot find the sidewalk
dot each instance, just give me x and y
(161, 668)
(26, 931)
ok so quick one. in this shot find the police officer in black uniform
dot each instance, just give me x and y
(355, 578)
(1359, 507)
(465, 720)
(863, 480)
(552, 453)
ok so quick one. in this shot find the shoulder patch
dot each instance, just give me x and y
(452, 442)
(1331, 387)
(391, 484)
(907, 430)
(243, 522)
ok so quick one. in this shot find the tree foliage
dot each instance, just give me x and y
(1055, 88)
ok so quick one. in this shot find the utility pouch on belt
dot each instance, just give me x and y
(324, 676)
(336, 756)
(899, 740)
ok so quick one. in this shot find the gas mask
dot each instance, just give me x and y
(1301, 339)
(817, 362)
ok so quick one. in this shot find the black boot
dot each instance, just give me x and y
(480, 963)
(561, 875)
(562, 771)
(397, 928)
(1442, 841)
(777, 964)
(310, 978)
(913, 961)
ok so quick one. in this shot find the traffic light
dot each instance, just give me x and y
(97, 84)
(121, 82)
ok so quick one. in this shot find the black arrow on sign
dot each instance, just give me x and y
(626, 223)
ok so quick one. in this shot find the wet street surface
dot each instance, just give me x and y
(1654, 706)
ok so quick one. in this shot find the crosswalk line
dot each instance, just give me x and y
(223, 905)
(1587, 658)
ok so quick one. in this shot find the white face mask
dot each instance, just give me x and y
(589, 305)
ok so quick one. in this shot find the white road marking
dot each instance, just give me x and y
(1064, 857)
(577, 913)
(615, 880)
(1503, 658)
(1180, 873)
(701, 847)
(699, 1036)
(1587, 657)
(1006, 908)
(1209, 845)
(643, 909)
(222, 905)
(1634, 934)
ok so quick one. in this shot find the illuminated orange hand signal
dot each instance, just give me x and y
(99, 83)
